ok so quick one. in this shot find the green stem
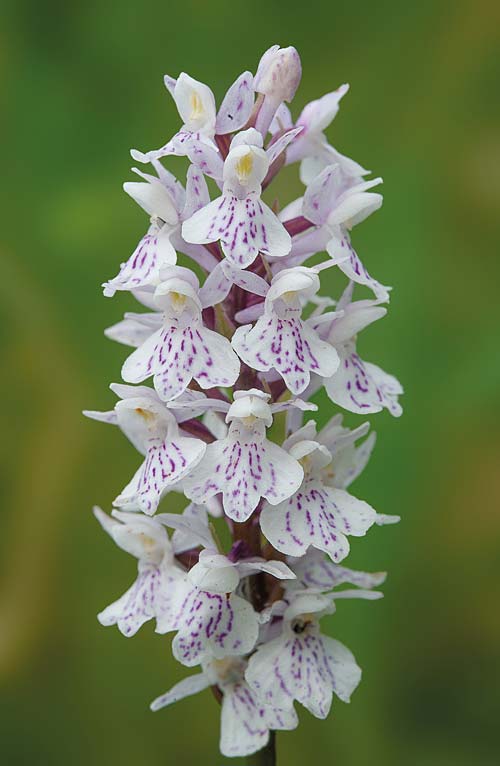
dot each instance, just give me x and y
(265, 757)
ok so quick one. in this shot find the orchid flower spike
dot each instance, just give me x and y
(234, 331)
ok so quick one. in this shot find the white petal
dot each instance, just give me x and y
(185, 688)
(196, 103)
(214, 624)
(293, 667)
(277, 569)
(215, 573)
(153, 595)
(341, 250)
(197, 195)
(319, 516)
(288, 346)
(245, 721)
(316, 571)
(243, 473)
(174, 356)
(163, 467)
(154, 199)
(142, 268)
(362, 387)
(130, 332)
(243, 226)
(321, 194)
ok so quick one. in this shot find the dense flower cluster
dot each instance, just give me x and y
(230, 355)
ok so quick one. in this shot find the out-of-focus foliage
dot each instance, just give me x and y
(81, 83)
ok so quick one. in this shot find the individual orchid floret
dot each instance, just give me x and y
(245, 721)
(245, 466)
(358, 386)
(153, 430)
(195, 103)
(277, 79)
(168, 204)
(301, 663)
(281, 340)
(182, 349)
(239, 219)
(159, 587)
(336, 209)
(212, 620)
(348, 460)
(311, 147)
(317, 514)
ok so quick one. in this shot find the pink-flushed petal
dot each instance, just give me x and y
(288, 346)
(244, 472)
(282, 120)
(350, 263)
(236, 106)
(321, 194)
(165, 465)
(244, 228)
(142, 268)
(277, 147)
(317, 115)
(363, 387)
(306, 667)
(246, 722)
(247, 280)
(215, 288)
(155, 594)
(207, 158)
(185, 688)
(197, 195)
(214, 625)
(316, 516)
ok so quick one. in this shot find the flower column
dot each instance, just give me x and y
(233, 358)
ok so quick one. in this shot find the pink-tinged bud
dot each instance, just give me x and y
(278, 74)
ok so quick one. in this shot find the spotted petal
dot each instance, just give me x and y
(174, 356)
(165, 464)
(314, 571)
(142, 268)
(213, 625)
(363, 387)
(340, 247)
(244, 472)
(305, 667)
(236, 106)
(246, 722)
(319, 516)
(155, 594)
(244, 227)
(288, 346)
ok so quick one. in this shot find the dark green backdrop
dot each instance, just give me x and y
(81, 83)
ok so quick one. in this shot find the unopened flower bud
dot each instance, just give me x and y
(278, 74)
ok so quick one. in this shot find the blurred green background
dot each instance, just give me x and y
(81, 83)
